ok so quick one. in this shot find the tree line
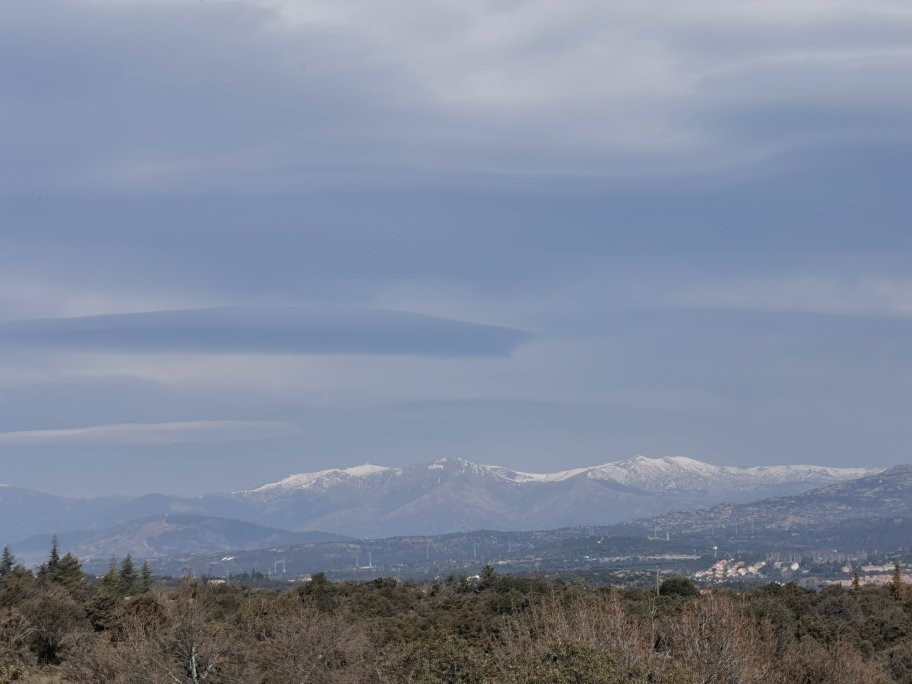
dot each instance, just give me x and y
(58, 624)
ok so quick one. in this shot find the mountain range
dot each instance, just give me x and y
(456, 494)
(870, 514)
(445, 495)
(883, 495)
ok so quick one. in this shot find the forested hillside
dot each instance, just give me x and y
(57, 625)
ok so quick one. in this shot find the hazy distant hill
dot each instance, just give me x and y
(167, 535)
(878, 496)
(443, 496)
(870, 512)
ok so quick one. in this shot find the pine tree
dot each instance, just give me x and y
(856, 582)
(7, 562)
(54, 556)
(128, 579)
(145, 578)
(46, 570)
(68, 572)
(111, 579)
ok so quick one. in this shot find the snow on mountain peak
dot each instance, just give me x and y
(366, 469)
(323, 478)
(682, 473)
(520, 477)
(668, 473)
(460, 466)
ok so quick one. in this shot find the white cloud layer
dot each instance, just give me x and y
(283, 330)
(126, 434)
(867, 297)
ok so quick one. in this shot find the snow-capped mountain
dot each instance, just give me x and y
(451, 494)
(446, 495)
(678, 473)
(671, 473)
(364, 475)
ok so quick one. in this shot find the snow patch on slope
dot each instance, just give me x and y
(670, 473)
(322, 479)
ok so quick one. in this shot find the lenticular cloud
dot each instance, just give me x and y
(268, 330)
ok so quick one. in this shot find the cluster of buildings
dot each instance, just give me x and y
(728, 568)
(872, 575)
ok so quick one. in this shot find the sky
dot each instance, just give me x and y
(243, 239)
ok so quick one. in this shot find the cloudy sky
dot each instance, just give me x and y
(241, 239)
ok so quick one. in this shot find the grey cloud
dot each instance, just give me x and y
(144, 97)
(544, 166)
(268, 330)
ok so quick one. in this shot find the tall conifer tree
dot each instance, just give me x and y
(128, 577)
(7, 562)
(145, 577)
(54, 556)
(68, 571)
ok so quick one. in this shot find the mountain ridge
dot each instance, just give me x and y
(444, 495)
(637, 470)
(454, 493)
(878, 495)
